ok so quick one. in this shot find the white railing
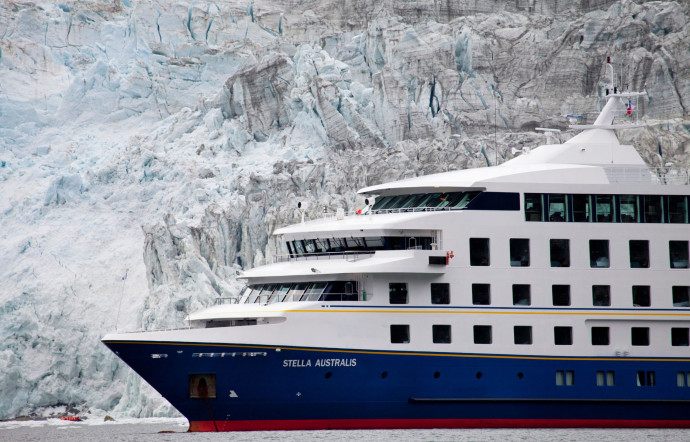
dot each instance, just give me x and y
(672, 177)
(351, 255)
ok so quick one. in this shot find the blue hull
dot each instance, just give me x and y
(301, 388)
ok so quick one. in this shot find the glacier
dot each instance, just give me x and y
(149, 148)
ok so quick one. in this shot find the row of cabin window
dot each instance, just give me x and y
(606, 208)
(522, 335)
(481, 294)
(303, 247)
(606, 378)
(679, 253)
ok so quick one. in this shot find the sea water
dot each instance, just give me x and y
(175, 430)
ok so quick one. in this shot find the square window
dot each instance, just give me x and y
(639, 254)
(482, 334)
(561, 295)
(599, 253)
(441, 334)
(563, 335)
(522, 334)
(560, 252)
(601, 295)
(400, 334)
(481, 294)
(521, 294)
(479, 251)
(519, 252)
(440, 293)
(639, 336)
(678, 254)
(641, 296)
(681, 296)
(680, 336)
(397, 292)
(600, 336)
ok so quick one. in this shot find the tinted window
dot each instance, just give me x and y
(600, 336)
(639, 254)
(521, 294)
(397, 292)
(519, 252)
(441, 334)
(601, 295)
(561, 295)
(563, 335)
(599, 253)
(678, 252)
(481, 294)
(641, 296)
(482, 334)
(440, 293)
(560, 252)
(400, 334)
(479, 251)
(522, 334)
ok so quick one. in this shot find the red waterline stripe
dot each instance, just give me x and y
(370, 424)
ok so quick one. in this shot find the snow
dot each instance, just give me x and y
(149, 148)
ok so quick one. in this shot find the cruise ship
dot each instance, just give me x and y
(552, 290)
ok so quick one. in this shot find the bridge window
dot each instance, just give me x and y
(582, 208)
(533, 207)
(678, 209)
(604, 208)
(652, 209)
(678, 251)
(628, 209)
(557, 207)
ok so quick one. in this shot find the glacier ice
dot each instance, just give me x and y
(149, 148)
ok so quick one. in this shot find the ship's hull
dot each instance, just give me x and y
(278, 388)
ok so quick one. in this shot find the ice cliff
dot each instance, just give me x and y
(149, 148)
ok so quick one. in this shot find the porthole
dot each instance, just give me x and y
(520, 375)
(384, 375)
(479, 375)
(437, 375)
(328, 375)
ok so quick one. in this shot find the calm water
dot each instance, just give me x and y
(175, 430)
